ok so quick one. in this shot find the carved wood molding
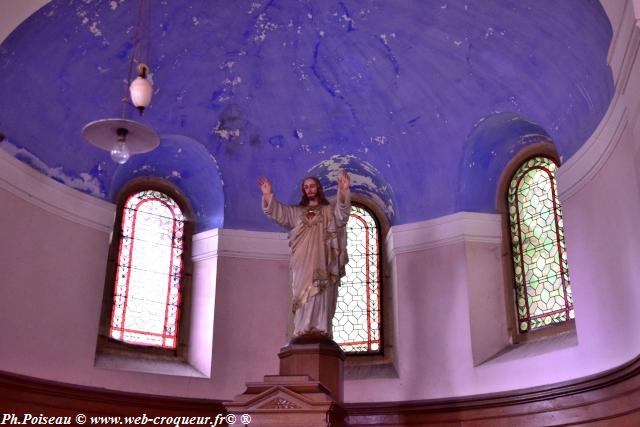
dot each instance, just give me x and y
(608, 398)
(279, 403)
(27, 394)
(613, 395)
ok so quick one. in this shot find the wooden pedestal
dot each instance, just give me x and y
(318, 357)
(307, 392)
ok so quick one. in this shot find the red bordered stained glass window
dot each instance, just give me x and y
(357, 321)
(543, 289)
(147, 293)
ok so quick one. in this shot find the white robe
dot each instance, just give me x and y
(318, 257)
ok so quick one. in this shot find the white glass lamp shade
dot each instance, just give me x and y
(120, 153)
(141, 91)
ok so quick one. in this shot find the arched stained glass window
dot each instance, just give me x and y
(543, 290)
(147, 293)
(357, 322)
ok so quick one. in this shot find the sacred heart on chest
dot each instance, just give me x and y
(311, 215)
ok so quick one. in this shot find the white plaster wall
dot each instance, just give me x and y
(251, 320)
(603, 242)
(53, 269)
(50, 287)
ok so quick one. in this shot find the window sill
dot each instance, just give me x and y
(361, 367)
(140, 364)
(536, 347)
(363, 372)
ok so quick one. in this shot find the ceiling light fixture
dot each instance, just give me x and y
(123, 137)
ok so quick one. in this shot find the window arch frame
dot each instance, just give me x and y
(382, 226)
(107, 344)
(541, 149)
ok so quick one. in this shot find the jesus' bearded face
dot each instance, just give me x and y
(310, 189)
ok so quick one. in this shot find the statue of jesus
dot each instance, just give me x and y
(317, 240)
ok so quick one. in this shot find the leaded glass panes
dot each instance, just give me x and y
(543, 290)
(357, 323)
(147, 290)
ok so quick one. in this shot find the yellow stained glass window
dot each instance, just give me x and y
(543, 289)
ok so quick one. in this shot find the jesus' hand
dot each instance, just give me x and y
(344, 181)
(265, 186)
(343, 186)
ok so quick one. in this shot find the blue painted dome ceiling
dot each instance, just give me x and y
(392, 91)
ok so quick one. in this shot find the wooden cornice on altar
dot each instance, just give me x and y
(610, 398)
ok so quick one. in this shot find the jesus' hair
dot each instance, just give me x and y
(304, 201)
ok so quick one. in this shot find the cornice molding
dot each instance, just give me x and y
(625, 42)
(16, 12)
(221, 242)
(32, 186)
(623, 56)
(446, 230)
(40, 190)
(585, 164)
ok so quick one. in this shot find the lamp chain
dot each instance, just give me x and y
(140, 50)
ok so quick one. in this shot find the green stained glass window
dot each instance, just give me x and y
(543, 291)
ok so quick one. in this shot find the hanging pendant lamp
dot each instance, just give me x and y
(123, 137)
